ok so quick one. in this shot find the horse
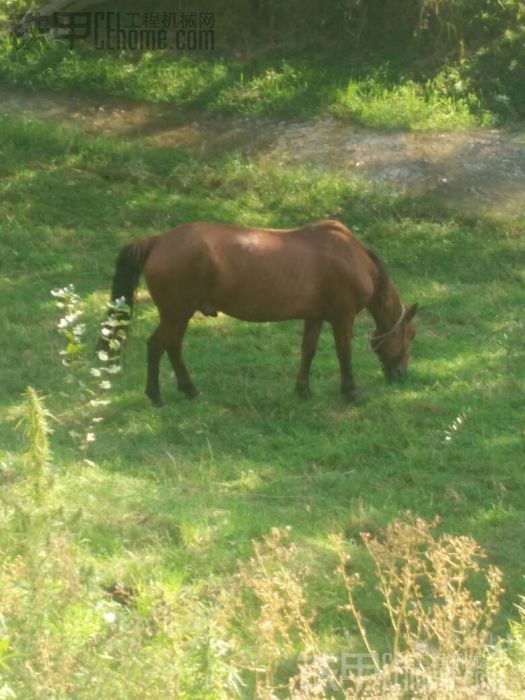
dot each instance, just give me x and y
(316, 273)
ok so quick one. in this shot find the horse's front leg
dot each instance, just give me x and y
(342, 330)
(311, 332)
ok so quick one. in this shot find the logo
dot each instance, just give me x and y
(135, 31)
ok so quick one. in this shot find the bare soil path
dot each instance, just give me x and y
(474, 169)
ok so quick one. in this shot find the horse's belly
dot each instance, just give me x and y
(255, 295)
(263, 313)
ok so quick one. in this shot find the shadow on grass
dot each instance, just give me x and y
(250, 453)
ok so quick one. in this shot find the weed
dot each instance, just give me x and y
(439, 644)
(91, 383)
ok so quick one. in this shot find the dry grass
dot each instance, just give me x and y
(441, 601)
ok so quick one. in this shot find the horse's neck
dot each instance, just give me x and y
(386, 307)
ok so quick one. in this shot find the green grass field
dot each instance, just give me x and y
(297, 85)
(172, 498)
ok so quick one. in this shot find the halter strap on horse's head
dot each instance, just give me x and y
(385, 336)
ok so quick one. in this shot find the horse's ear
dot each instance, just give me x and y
(411, 312)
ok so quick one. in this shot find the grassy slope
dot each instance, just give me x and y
(177, 494)
(302, 83)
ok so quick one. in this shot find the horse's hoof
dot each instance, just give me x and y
(352, 396)
(303, 391)
(191, 391)
(157, 402)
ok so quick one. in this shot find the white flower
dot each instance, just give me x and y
(95, 372)
(105, 332)
(103, 356)
(105, 385)
(71, 318)
(113, 369)
(90, 437)
(110, 617)
(120, 303)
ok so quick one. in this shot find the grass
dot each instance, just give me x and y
(301, 85)
(410, 104)
(172, 497)
(412, 66)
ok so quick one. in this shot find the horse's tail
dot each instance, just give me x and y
(130, 263)
(128, 269)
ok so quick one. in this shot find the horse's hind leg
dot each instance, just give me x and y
(312, 329)
(174, 348)
(156, 346)
(167, 336)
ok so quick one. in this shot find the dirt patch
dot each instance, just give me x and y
(476, 169)
(470, 168)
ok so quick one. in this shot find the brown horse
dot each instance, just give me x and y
(318, 273)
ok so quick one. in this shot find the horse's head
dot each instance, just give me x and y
(393, 347)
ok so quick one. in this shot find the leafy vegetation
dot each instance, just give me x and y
(111, 576)
(422, 65)
(296, 86)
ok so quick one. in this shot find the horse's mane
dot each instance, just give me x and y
(384, 277)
